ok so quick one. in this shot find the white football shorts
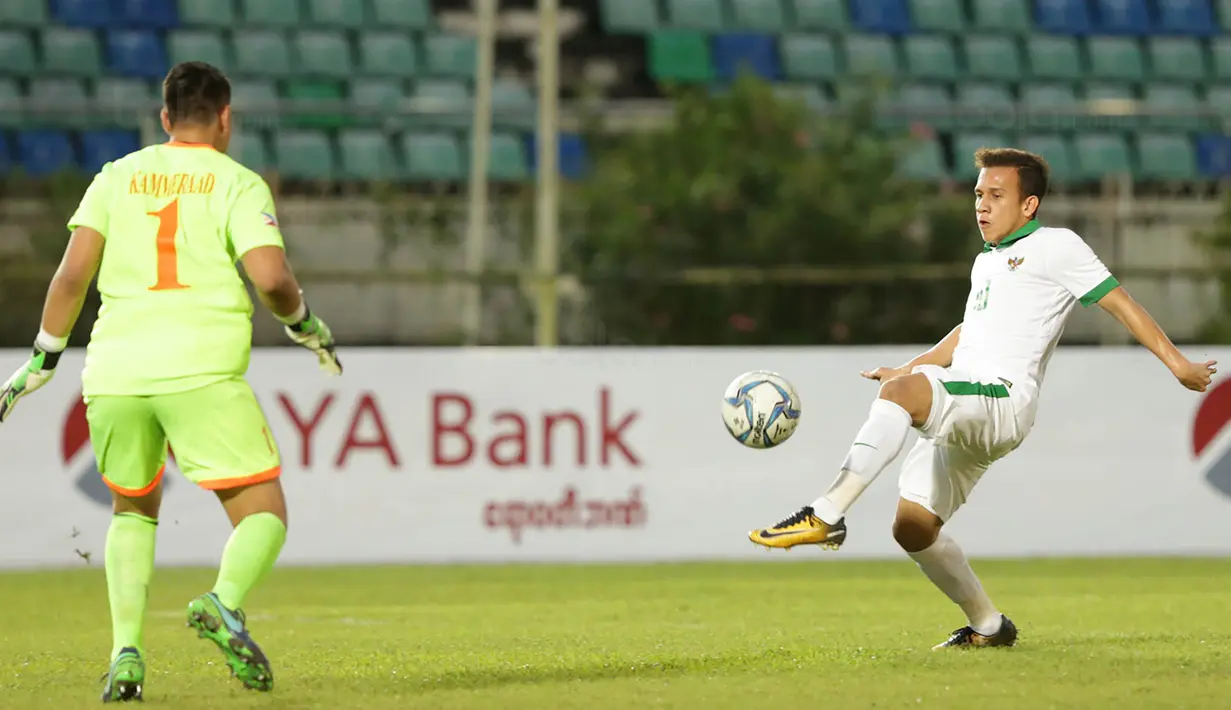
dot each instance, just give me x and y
(973, 423)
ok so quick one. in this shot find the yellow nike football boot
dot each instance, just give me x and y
(802, 528)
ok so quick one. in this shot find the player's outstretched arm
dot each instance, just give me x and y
(270, 273)
(940, 354)
(1193, 375)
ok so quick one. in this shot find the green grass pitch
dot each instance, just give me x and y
(835, 634)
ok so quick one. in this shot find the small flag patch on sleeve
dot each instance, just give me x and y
(270, 220)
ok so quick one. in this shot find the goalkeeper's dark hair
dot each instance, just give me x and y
(1033, 172)
(195, 92)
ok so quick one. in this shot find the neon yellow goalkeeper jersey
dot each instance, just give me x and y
(175, 313)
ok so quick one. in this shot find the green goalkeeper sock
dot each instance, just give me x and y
(130, 565)
(249, 556)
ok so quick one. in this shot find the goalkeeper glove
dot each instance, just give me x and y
(312, 333)
(37, 371)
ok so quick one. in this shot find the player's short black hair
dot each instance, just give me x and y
(1033, 172)
(195, 92)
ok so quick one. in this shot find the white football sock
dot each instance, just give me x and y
(945, 564)
(878, 442)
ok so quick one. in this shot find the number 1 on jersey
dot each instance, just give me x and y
(168, 259)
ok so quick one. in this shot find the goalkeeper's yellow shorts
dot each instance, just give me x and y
(218, 435)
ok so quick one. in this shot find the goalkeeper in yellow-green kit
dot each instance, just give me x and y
(163, 228)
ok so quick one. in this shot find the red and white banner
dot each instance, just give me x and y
(507, 455)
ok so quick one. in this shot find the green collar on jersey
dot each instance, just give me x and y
(1027, 229)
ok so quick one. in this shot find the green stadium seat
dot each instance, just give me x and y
(71, 52)
(830, 15)
(1056, 149)
(1220, 55)
(322, 53)
(261, 53)
(1049, 95)
(433, 156)
(123, 100)
(635, 17)
(1115, 58)
(403, 14)
(993, 57)
(304, 154)
(1115, 101)
(1166, 156)
(366, 154)
(924, 161)
(926, 103)
(964, 146)
(1218, 101)
(930, 57)
(10, 100)
(207, 13)
(1048, 107)
(442, 102)
(759, 15)
(705, 15)
(870, 55)
(680, 56)
(1173, 97)
(1100, 154)
(251, 149)
(308, 90)
(506, 160)
(16, 53)
(1009, 16)
(811, 96)
(450, 56)
(808, 57)
(513, 106)
(271, 13)
(984, 106)
(68, 96)
(1054, 57)
(23, 13)
(197, 45)
(384, 94)
(1177, 58)
(253, 95)
(1109, 91)
(336, 13)
(938, 16)
(385, 53)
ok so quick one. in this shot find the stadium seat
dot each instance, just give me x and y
(930, 57)
(1100, 154)
(1008, 16)
(513, 106)
(1118, 98)
(308, 90)
(10, 104)
(1218, 102)
(704, 15)
(253, 95)
(304, 154)
(1214, 155)
(1065, 17)
(197, 45)
(101, 147)
(881, 16)
(870, 55)
(636, 17)
(261, 53)
(403, 14)
(1166, 156)
(808, 57)
(759, 15)
(810, 95)
(1173, 97)
(984, 107)
(442, 102)
(1122, 17)
(433, 156)
(1220, 55)
(148, 14)
(964, 146)
(830, 15)
(679, 56)
(137, 53)
(574, 159)
(16, 53)
(1177, 58)
(366, 154)
(68, 97)
(124, 101)
(450, 56)
(1047, 107)
(1057, 149)
(1224, 14)
(82, 13)
(370, 93)
(207, 13)
(1053, 57)
(346, 14)
(937, 16)
(507, 159)
(1187, 17)
(45, 152)
(993, 57)
(755, 53)
(1115, 58)
(23, 13)
(271, 13)
(251, 149)
(925, 103)
(71, 52)
(924, 161)
(322, 53)
(392, 54)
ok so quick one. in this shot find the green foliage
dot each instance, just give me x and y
(748, 179)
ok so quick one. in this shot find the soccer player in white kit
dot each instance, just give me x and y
(974, 395)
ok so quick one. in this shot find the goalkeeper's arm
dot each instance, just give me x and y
(270, 273)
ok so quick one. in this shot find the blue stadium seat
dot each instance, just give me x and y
(45, 152)
(101, 147)
(881, 16)
(137, 53)
(1214, 155)
(572, 151)
(154, 14)
(751, 52)
(1187, 17)
(82, 13)
(1123, 17)
(1065, 17)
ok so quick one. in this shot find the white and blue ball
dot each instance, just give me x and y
(761, 409)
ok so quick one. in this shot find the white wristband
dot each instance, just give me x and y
(50, 343)
(299, 314)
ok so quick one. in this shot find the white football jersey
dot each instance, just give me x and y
(1021, 293)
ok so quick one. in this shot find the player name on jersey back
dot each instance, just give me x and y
(163, 185)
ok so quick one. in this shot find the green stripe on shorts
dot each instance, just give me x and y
(978, 389)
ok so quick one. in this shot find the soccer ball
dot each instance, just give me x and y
(760, 409)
